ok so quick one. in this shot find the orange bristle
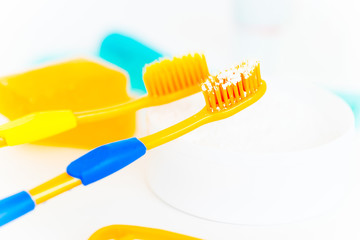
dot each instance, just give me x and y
(170, 76)
(231, 86)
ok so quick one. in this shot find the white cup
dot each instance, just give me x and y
(283, 159)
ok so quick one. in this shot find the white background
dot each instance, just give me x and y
(314, 40)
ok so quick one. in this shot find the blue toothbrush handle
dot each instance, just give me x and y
(91, 167)
(106, 160)
(15, 206)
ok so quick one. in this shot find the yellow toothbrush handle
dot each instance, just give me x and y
(134, 105)
(195, 121)
(41, 125)
(127, 232)
(113, 111)
(177, 130)
(36, 126)
(54, 187)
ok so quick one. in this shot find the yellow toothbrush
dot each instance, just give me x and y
(127, 232)
(225, 94)
(165, 81)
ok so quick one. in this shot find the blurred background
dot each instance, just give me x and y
(315, 41)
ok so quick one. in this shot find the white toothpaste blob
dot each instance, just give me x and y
(230, 76)
(289, 117)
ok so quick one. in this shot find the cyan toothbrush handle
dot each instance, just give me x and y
(15, 206)
(129, 54)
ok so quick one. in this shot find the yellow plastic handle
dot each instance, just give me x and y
(126, 232)
(197, 120)
(37, 126)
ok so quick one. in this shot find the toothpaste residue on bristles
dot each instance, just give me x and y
(230, 76)
(231, 86)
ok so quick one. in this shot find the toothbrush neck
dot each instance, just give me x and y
(112, 111)
(177, 130)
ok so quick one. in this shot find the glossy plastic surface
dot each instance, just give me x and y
(54, 187)
(37, 126)
(166, 81)
(106, 160)
(199, 119)
(250, 167)
(126, 232)
(109, 158)
(76, 85)
(129, 54)
(15, 206)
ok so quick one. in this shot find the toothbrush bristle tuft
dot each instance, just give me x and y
(231, 86)
(170, 76)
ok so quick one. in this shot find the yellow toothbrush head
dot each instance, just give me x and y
(234, 89)
(175, 78)
(225, 94)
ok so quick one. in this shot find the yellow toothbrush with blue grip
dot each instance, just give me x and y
(165, 81)
(225, 94)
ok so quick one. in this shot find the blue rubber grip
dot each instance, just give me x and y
(15, 206)
(106, 160)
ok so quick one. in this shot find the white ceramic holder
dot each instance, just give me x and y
(283, 159)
